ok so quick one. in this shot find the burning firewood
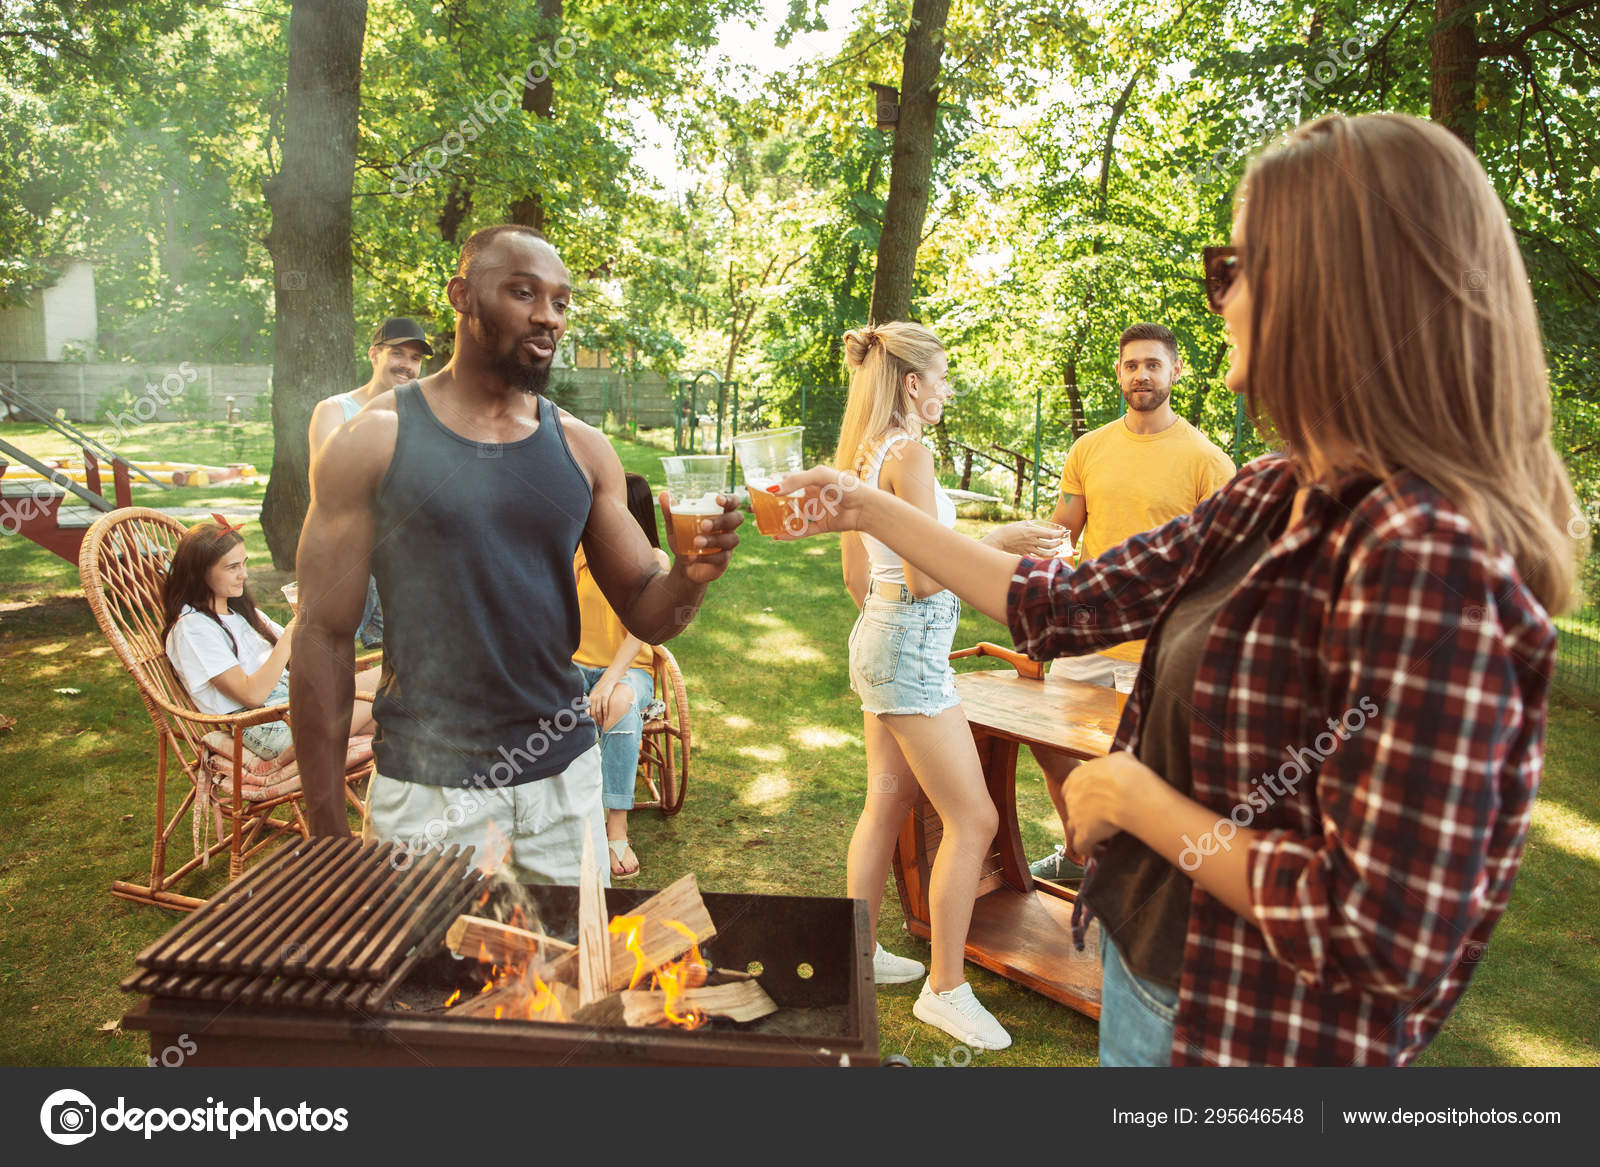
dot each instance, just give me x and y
(594, 946)
(636, 1008)
(515, 1000)
(496, 943)
(661, 930)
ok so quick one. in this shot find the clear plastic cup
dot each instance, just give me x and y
(291, 592)
(1053, 533)
(693, 483)
(1123, 677)
(765, 456)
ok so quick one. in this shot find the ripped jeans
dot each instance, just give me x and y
(619, 745)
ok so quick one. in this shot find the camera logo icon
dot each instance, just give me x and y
(68, 1117)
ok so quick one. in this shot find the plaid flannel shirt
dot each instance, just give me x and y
(1383, 650)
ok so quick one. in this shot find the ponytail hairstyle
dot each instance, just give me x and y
(198, 551)
(879, 358)
(642, 506)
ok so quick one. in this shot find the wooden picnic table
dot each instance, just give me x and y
(1021, 928)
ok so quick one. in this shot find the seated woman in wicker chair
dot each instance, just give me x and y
(228, 654)
(616, 668)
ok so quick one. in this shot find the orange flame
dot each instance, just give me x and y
(628, 927)
(673, 979)
(534, 1000)
(530, 997)
(542, 1000)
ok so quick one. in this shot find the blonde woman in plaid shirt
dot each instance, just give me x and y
(1338, 729)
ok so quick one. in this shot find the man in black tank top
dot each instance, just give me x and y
(466, 494)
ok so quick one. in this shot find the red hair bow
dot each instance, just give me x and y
(227, 527)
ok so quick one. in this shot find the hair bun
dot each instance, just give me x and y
(858, 343)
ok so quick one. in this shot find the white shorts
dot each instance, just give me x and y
(1091, 668)
(537, 827)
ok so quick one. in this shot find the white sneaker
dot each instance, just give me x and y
(889, 969)
(960, 1015)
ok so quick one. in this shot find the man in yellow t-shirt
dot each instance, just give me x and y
(1130, 475)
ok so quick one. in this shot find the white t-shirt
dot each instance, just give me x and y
(200, 652)
(887, 566)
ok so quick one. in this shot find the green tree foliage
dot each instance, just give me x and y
(1083, 155)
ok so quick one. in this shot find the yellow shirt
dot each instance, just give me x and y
(603, 633)
(1133, 482)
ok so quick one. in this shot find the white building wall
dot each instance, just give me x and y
(69, 312)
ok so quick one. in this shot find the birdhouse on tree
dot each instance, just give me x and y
(888, 100)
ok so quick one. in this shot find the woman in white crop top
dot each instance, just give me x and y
(229, 655)
(916, 733)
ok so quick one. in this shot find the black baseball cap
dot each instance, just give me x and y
(402, 330)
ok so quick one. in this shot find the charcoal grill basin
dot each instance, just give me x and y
(815, 955)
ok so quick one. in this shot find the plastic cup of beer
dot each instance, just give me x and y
(765, 456)
(693, 483)
(291, 592)
(1123, 677)
(1054, 534)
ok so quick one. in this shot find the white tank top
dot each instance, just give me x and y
(887, 566)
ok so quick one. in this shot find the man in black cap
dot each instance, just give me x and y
(396, 354)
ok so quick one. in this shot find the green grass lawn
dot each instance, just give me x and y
(777, 781)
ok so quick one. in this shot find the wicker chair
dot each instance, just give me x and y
(123, 564)
(665, 746)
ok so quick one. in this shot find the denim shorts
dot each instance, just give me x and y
(900, 651)
(271, 739)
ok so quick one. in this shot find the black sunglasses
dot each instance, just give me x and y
(1222, 269)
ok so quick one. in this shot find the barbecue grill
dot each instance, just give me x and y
(333, 954)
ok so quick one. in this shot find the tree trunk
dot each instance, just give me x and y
(457, 206)
(911, 169)
(1069, 381)
(314, 326)
(1454, 70)
(1069, 374)
(528, 211)
(941, 448)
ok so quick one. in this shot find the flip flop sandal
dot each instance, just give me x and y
(619, 851)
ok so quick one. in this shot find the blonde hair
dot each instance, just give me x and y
(1392, 310)
(879, 357)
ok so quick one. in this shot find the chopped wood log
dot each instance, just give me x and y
(607, 1011)
(659, 942)
(510, 1002)
(738, 1001)
(488, 940)
(594, 944)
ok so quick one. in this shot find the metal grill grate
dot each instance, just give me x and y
(329, 924)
